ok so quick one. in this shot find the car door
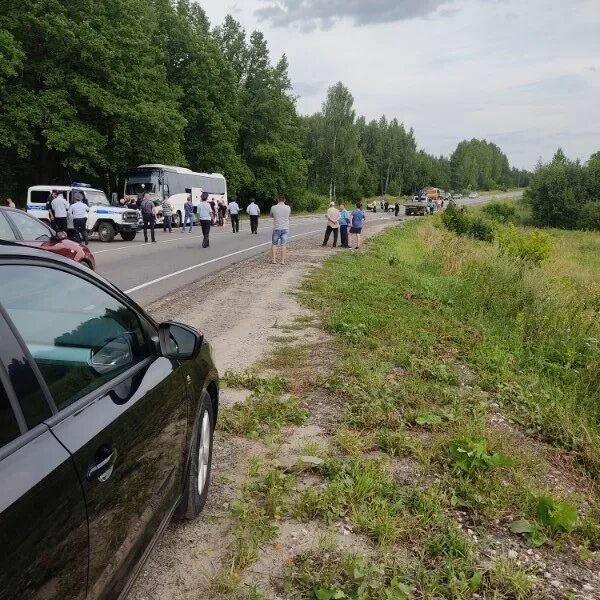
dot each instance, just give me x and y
(120, 408)
(43, 524)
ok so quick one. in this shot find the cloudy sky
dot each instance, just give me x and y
(522, 73)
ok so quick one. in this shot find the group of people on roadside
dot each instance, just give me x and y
(207, 214)
(348, 225)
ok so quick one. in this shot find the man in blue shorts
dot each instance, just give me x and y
(281, 229)
(357, 222)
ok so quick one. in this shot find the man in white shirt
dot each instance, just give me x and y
(234, 212)
(254, 213)
(205, 214)
(60, 207)
(78, 211)
(333, 224)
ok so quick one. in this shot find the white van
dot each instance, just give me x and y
(103, 219)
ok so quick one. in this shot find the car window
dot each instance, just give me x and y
(6, 232)
(30, 229)
(79, 336)
(9, 429)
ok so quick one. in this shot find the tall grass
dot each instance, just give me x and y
(531, 333)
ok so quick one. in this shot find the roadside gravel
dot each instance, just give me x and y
(239, 310)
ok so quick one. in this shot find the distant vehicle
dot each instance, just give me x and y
(103, 219)
(418, 207)
(473, 195)
(21, 228)
(166, 182)
(106, 429)
(457, 196)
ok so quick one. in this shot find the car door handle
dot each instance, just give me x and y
(102, 470)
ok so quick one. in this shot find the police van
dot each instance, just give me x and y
(103, 219)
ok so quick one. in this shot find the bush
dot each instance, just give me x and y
(589, 218)
(456, 219)
(500, 211)
(461, 222)
(480, 229)
(532, 246)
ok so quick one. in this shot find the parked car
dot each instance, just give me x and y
(17, 226)
(457, 196)
(106, 429)
(473, 195)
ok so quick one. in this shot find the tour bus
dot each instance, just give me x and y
(172, 183)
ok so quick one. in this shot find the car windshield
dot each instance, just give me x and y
(137, 183)
(96, 198)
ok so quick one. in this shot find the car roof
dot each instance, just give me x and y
(61, 188)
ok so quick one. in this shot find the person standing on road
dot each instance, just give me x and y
(281, 228)
(397, 209)
(148, 217)
(167, 213)
(60, 208)
(78, 211)
(333, 224)
(344, 221)
(205, 213)
(358, 219)
(254, 213)
(188, 210)
(234, 213)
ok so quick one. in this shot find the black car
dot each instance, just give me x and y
(106, 429)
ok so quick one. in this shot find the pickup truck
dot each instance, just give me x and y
(418, 207)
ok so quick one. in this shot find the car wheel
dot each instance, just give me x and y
(106, 232)
(128, 236)
(197, 480)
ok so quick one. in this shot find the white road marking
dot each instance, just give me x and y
(137, 288)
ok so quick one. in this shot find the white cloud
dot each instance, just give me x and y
(526, 75)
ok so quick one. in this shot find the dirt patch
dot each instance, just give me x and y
(259, 296)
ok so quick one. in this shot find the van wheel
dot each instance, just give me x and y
(106, 232)
(176, 220)
(197, 482)
(128, 236)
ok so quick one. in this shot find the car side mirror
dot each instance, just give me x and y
(178, 341)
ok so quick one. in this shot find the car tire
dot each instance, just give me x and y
(197, 479)
(106, 232)
(128, 236)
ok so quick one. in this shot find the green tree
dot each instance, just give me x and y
(88, 98)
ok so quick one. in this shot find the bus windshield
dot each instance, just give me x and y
(137, 183)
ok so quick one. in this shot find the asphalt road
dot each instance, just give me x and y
(149, 271)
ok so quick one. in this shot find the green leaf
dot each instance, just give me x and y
(521, 526)
(429, 419)
(563, 517)
(499, 460)
(476, 581)
(323, 594)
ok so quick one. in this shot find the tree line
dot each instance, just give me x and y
(566, 193)
(91, 88)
